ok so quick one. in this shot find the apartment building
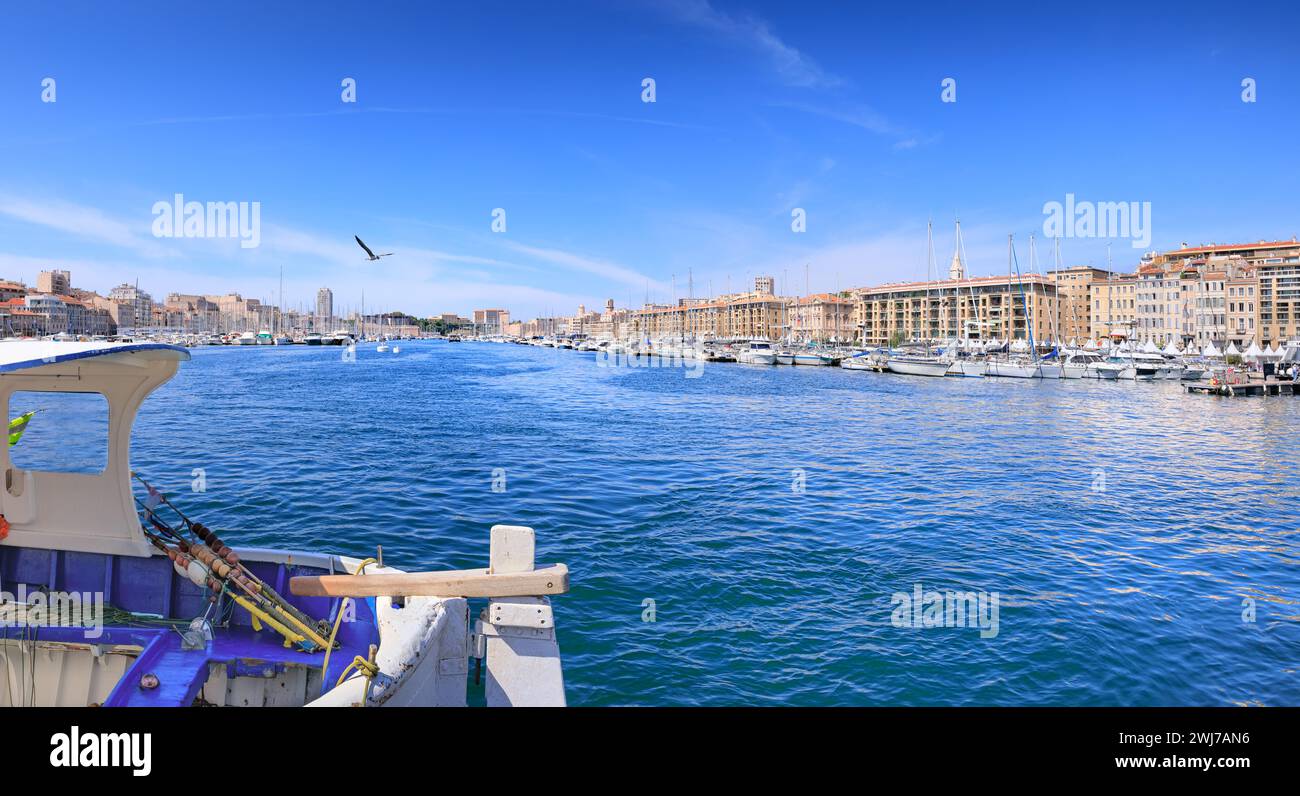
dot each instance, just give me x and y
(1074, 287)
(984, 307)
(491, 322)
(822, 318)
(1241, 308)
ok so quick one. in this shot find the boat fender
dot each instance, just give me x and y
(4, 527)
(198, 574)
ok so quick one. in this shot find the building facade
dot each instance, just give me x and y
(987, 307)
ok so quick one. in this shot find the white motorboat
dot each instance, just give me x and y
(756, 352)
(181, 620)
(247, 338)
(1085, 365)
(313, 338)
(264, 337)
(917, 365)
(340, 337)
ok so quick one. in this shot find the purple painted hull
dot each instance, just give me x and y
(151, 586)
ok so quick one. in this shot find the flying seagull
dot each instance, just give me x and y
(369, 254)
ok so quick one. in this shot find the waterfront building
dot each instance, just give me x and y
(1241, 312)
(822, 318)
(324, 308)
(11, 290)
(737, 317)
(1114, 306)
(546, 327)
(55, 314)
(1159, 305)
(490, 322)
(611, 324)
(1276, 272)
(58, 283)
(1279, 300)
(1075, 289)
(140, 301)
(983, 307)
(1208, 310)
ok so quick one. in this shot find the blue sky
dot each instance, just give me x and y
(536, 108)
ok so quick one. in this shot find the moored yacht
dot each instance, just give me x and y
(1086, 365)
(1014, 368)
(757, 352)
(917, 364)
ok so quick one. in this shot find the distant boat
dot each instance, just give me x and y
(264, 337)
(340, 337)
(247, 338)
(313, 338)
(283, 340)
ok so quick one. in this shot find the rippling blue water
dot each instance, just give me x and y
(653, 486)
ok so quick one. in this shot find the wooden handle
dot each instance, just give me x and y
(454, 583)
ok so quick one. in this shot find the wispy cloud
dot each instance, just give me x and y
(85, 222)
(608, 270)
(791, 65)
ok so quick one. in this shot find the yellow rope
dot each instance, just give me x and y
(329, 647)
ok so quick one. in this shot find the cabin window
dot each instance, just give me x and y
(67, 434)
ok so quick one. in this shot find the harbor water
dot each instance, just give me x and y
(737, 534)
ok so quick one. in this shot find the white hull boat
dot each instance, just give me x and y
(970, 368)
(1013, 370)
(757, 352)
(813, 359)
(917, 366)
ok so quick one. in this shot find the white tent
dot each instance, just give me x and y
(1253, 352)
(1150, 348)
(1210, 350)
(1232, 350)
(1190, 350)
(1171, 350)
(1275, 352)
(1091, 345)
(1123, 345)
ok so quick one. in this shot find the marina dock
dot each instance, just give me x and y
(1266, 387)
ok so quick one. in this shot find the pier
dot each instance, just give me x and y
(1248, 388)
